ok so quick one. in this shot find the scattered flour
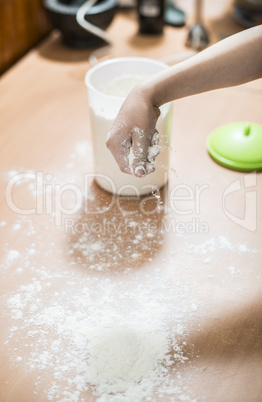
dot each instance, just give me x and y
(93, 332)
(12, 257)
(235, 273)
(243, 248)
(16, 227)
(123, 354)
(210, 246)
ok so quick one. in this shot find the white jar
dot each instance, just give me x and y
(103, 111)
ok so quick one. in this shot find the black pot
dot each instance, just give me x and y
(62, 14)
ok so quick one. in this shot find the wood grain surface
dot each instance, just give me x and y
(23, 23)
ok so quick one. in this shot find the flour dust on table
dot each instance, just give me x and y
(84, 328)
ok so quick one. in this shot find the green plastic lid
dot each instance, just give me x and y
(237, 146)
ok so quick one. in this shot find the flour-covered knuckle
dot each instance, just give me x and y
(140, 141)
(152, 153)
(155, 138)
(127, 144)
(150, 168)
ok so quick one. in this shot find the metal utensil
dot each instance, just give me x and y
(198, 37)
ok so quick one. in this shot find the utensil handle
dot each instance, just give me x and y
(198, 11)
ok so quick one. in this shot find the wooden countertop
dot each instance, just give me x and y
(191, 267)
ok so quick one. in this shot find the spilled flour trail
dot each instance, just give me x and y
(105, 310)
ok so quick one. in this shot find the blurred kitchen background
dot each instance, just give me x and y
(25, 23)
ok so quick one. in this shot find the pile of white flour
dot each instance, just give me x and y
(128, 359)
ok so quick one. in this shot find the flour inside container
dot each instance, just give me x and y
(121, 86)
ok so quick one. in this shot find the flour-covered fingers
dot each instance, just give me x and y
(138, 158)
(154, 148)
(120, 149)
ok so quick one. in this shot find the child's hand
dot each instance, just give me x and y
(133, 138)
(233, 61)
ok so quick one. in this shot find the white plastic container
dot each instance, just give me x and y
(103, 111)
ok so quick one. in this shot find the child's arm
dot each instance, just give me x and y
(233, 61)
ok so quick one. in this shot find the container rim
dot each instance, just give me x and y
(115, 60)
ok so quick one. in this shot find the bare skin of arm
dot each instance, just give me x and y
(233, 61)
